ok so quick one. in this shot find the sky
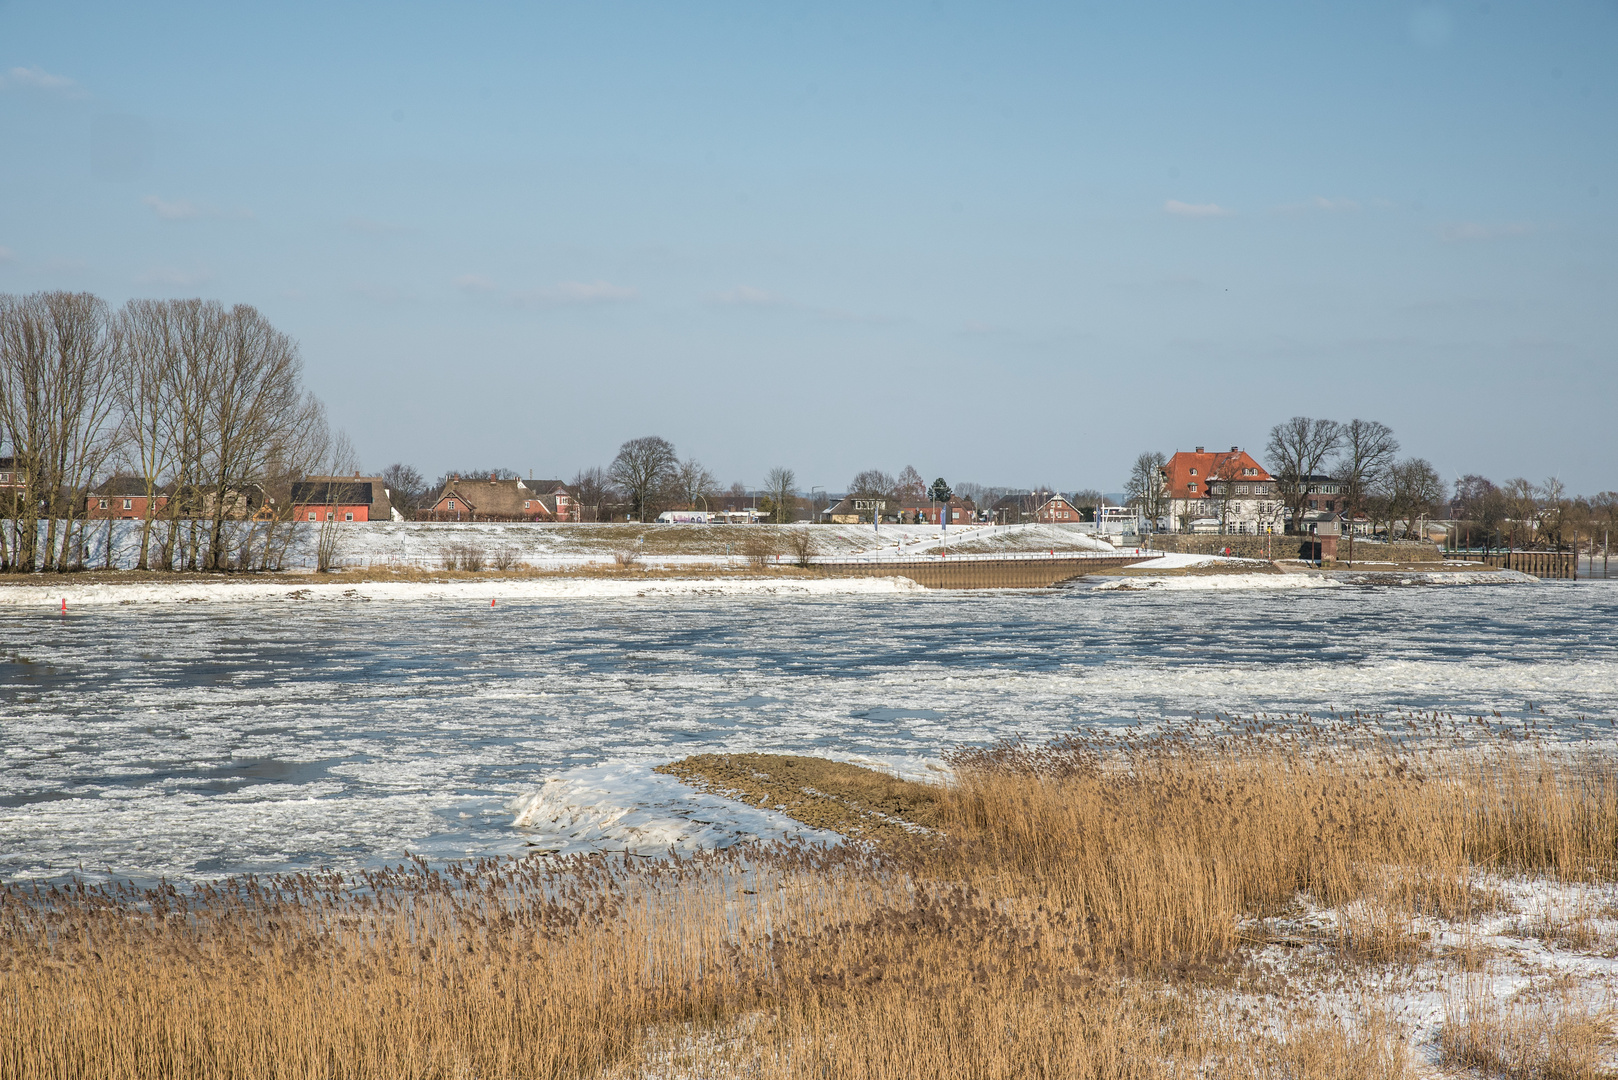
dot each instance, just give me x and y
(1009, 243)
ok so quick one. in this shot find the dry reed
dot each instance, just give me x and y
(1076, 916)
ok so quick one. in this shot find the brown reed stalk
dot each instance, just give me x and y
(1075, 916)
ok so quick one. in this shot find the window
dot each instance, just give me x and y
(129, 504)
(330, 516)
(1193, 484)
(348, 517)
(452, 504)
(526, 504)
(1193, 472)
(311, 515)
(102, 503)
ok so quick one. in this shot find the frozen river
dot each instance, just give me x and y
(197, 740)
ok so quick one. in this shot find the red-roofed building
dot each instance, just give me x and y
(1221, 492)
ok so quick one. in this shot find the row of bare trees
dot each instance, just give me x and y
(199, 407)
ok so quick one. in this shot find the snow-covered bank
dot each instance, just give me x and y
(191, 592)
(1214, 583)
(628, 807)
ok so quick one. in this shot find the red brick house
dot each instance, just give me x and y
(1221, 492)
(341, 498)
(124, 498)
(467, 499)
(961, 512)
(1058, 511)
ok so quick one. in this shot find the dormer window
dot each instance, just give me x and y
(1193, 472)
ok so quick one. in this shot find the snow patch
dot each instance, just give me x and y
(628, 807)
(1217, 582)
(188, 592)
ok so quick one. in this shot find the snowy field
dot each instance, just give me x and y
(192, 740)
(427, 545)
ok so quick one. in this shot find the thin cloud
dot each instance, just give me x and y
(35, 78)
(577, 294)
(747, 296)
(1462, 232)
(186, 210)
(1195, 210)
(475, 283)
(1319, 203)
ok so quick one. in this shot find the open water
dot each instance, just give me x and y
(198, 740)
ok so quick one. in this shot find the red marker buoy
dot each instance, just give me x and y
(64, 605)
(491, 601)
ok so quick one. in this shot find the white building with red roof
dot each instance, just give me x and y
(1221, 491)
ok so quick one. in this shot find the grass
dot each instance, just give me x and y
(1069, 910)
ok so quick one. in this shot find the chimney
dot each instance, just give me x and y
(1199, 449)
(356, 474)
(491, 478)
(1235, 449)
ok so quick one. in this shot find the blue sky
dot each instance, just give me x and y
(1010, 243)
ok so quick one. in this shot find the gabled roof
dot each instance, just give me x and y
(332, 493)
(1187, 467)
(124, 487)
(504, 497)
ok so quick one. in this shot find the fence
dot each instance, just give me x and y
(1541, 564)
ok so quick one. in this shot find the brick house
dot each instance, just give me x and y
(961, 512)
(11, 478)
(342, 498)
(1221, 492)
(1058, 511)
(125, 498)
(467, 499)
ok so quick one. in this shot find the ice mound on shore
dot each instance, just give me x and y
(630, 808)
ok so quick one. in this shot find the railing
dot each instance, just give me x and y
(1541, 564)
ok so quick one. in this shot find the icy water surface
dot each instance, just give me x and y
(196, 740)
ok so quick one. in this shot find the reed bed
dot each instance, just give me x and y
(1080, 909)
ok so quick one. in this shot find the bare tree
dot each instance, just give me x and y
(871, 483)
(781, 485)
(1297, 450)
(56, 403)
(406, 488)
(1409, 491)
(254, 409)
(642, 467)
(693, 484)
(1146, 489)
(149, 360)
(910, 487)
(591, 489)
(1366, 453)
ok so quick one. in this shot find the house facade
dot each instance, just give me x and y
(468, 499)
(957, 512)
(1058, 511)
(1221, 492)
(341, 498)
(124, 498)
